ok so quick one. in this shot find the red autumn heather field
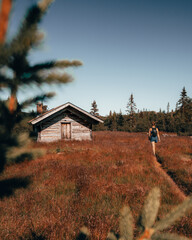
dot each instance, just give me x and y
(87, 183)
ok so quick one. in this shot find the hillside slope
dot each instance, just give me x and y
(84, 183)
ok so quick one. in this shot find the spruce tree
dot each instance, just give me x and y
(120, 121)
(94, 109)
(131, 109)
(109, 121)
(168, 107)
(183, 101)
(17, 72)
(114, 121)
(131, 106)
(183, 114)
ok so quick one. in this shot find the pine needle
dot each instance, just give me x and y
(84, 234)
(126, 223)
(150, 208)
(58, 78)
(42, 97)
(85, 231)
(168, 236)
(111, 236)
(175, 215)
(66, 63)
(44, 4)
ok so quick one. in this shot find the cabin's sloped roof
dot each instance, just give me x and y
(59, 108)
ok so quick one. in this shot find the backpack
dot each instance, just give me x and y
(154, 132)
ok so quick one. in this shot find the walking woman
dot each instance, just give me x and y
(154, 136)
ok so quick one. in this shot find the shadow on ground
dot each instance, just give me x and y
(8, 186)
(182, 185)
(159, 159)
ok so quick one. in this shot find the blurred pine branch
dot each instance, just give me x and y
(151, 230)
(16, 72)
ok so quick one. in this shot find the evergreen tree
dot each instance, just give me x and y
(183, 101)
(169, 122)
(131, 109)
(114, 121)
(131, 106)
(120, 121)
(168, 107)
(109, 121)
(176, 107)
(94, 109)
(15, 73)
(161, 121)
(183, 115)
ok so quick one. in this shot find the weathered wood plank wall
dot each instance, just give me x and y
(51, 129)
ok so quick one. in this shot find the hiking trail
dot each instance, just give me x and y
(171, 182)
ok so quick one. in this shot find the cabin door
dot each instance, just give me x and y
(66, 130)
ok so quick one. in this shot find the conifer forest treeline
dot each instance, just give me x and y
(177, 120)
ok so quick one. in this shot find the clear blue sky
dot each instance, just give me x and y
(142, 47)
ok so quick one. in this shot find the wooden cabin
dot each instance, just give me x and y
(67, 122)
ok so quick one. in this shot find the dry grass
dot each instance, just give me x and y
(83, 183)
(175, 154)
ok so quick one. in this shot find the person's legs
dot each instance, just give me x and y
(153, 147)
